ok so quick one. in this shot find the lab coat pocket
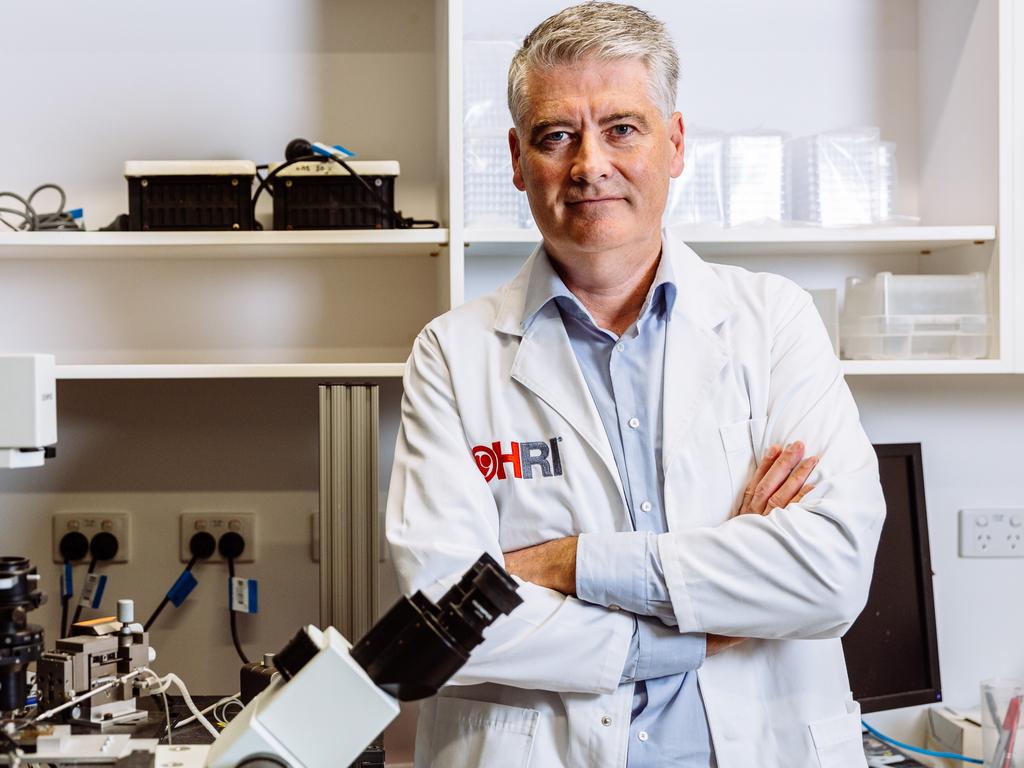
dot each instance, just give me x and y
(738, 440)
(838, 741)
(479, 733)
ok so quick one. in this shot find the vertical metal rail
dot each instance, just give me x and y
(349, 535)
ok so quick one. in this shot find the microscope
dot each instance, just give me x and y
(329, 700)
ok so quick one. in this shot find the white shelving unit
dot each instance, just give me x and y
(333, 244)
(936, 77)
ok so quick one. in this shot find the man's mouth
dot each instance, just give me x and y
(593, 200)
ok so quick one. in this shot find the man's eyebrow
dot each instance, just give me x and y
(545, 124)
(634, 117)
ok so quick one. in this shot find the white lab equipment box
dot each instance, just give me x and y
(28, 401)
(903, 317)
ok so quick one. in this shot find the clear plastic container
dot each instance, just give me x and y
(698, 195)
(835, 178)
(904, 317)
(755, 178)
(491, 200)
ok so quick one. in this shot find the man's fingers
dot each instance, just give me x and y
(789, 490)
(769, 458)
(718, 643)
(777, 474)
(803, 492)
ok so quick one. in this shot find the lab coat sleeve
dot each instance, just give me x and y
(803, 571)
(441, 516)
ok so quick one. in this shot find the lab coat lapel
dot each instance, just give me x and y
(694, 353)
(546, 365)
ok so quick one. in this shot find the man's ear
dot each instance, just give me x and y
(514, 148)
(676, 135)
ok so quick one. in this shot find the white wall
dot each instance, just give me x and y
(971, 431)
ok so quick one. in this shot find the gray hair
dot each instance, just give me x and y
(603, 31)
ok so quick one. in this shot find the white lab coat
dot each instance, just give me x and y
(747, 364)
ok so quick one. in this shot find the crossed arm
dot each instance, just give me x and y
(779, 480)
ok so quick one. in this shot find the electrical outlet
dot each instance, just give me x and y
(992, 533)
(218, 522)
(89, 522)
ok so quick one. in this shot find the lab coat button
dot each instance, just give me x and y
(642, 735)
(634, 422)
(1015, 521)
(646, 507)
(614, 607)
(606, 720)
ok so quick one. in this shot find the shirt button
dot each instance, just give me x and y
(646, 506)
(642, 735)
(634, 422)
(614, 607)
(606, 720)
(620, 347)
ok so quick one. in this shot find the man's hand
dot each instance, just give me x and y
(719, 643)
(551, 564)
(778, 480)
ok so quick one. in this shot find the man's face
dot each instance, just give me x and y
(594, 155)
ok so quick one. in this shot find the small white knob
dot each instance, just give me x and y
(152, 654)
(126, 611)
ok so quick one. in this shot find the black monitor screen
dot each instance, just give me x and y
(891, 650)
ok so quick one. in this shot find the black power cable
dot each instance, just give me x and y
(103, 547)
(201, 545)
(231, 546)
(400, 222)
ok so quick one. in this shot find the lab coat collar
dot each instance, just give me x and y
(701, 296)
(694, 355)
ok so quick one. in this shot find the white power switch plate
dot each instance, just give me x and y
(218, 522)
(90, 522)
(992, 533)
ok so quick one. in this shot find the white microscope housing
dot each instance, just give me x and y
(28, 409)
(324, 716)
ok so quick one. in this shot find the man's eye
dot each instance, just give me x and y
(620, 131)
(556, 137)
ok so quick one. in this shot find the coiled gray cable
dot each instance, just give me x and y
(34, 221)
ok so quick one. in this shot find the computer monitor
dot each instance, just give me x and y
(891, 650)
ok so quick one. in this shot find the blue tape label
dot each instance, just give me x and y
(182, 588)
(67, 588)
(92, 591)
(243, 595)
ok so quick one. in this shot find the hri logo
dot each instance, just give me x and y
(523, 457)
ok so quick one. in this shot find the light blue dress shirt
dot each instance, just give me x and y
(625, 377)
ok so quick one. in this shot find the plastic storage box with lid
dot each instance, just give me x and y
(903, 317)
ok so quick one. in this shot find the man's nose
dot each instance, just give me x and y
(591, 162)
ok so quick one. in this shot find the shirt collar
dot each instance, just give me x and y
(545, 286)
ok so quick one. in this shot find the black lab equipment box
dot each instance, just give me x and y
(323, 195)
(189, 194)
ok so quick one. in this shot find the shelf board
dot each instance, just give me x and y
(396, 370)
(235, 371)
(222, 245)
(775, 241)
(923, 367)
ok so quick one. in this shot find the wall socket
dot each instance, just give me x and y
(218, 522)
(90, 522)
(992, 533)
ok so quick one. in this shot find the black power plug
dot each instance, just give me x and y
(103, 546)
(74, 545)
(231, 546)
(202, 545)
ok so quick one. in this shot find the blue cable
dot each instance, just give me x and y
(952, 755)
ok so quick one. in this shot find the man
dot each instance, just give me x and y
(595, 422)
